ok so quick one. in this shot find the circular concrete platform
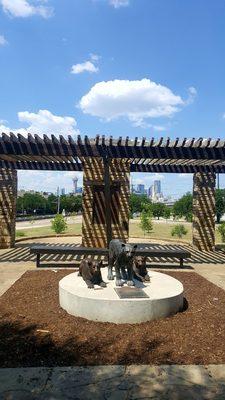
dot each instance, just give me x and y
(103, 304)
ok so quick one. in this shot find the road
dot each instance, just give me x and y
(41, 223)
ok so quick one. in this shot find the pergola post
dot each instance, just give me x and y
(107, 192)
(204, 211)
(8, 195)
(105, 201)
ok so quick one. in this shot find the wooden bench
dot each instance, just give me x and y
(164, 253)
(142, 250)
(65, 250)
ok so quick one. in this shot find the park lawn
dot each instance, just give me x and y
(73, 229)
(160, 231)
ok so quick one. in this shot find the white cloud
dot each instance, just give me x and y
(136, 100)
(3, 40)
(119, 3)
(145, 125)
(158, 128)
(86, 66)
(146, 178)
(94, 57)
(26, 8)
(192, 93)
(44, 122)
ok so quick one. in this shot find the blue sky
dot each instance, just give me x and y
(114, 67)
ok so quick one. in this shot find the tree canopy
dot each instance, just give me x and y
(183, 207)
(136, 202)
(220, 204)
(158, 210)
(31, 203)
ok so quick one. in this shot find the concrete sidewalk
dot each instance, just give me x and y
(114, 382)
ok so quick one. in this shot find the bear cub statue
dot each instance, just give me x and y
(140, 270)
(91, 273)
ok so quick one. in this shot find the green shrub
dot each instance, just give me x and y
(59, 224)
(20, 234)
(179, 231)
(221, 230)
(146, 221)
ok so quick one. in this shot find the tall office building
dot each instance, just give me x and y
(75, 180)
(141, 189)
(150, 190)
(157, 187)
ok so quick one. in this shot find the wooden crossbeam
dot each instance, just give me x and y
(163, 148)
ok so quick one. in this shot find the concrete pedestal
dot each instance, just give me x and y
(103, 304)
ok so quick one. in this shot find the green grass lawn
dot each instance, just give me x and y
(160, 231)
(73, 229)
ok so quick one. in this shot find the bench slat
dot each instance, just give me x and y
(42, 249)
(163, 253)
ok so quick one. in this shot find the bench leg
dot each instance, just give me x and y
(181, 262)
(38, 260)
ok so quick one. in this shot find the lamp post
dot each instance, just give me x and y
(58, 200)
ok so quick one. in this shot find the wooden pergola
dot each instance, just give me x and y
(107, 163)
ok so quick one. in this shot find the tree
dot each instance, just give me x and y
(59, 224)
(167, 212)
(183, 207)
(52, 204)
(221, 230)
(30, 202)
(146, 219)
(136, 202)
(158, 210)
(179, 231)
(220, 204)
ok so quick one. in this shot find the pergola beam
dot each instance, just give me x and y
(164, 148)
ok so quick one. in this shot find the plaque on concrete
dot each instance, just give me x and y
(127, 292)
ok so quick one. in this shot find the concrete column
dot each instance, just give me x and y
(8, 195)
(204, 211)
(94, 229)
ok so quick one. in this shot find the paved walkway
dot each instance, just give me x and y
(114, 383)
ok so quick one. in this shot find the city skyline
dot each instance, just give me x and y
(183, 182)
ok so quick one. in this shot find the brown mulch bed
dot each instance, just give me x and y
(35, 331)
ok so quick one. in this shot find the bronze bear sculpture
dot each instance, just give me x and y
(140, 269)
(91, 273)
(121, 255)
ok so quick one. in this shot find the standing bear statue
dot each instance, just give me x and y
(121, 255)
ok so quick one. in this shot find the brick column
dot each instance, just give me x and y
(94, 233)
(204, 211)
(8, 194)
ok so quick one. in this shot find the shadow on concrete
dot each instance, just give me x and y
(21, 253)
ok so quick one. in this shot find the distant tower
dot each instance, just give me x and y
(75, 180)
(157, 187)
